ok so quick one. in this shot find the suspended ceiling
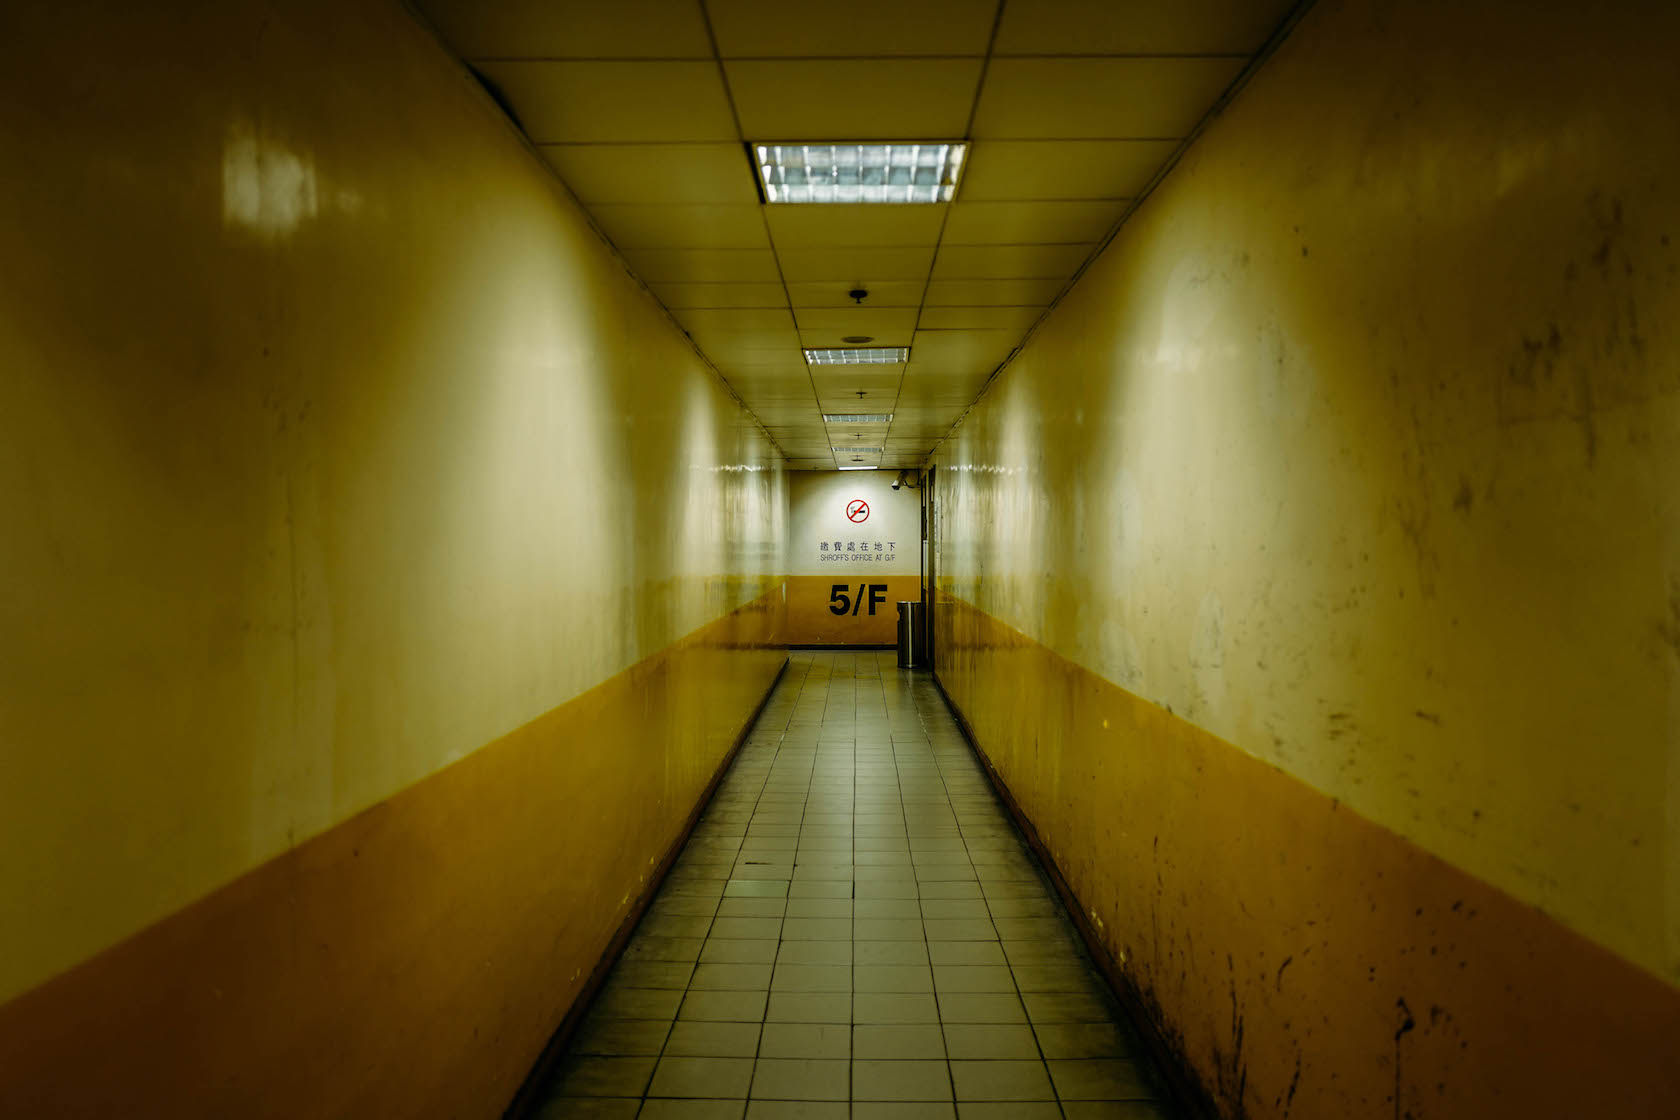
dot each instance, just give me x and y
(646, 108)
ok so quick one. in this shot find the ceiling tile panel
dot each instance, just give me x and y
(879, 322)
(942, 388)
(767, 368)
(935, 351)
(683, 227)
(1020, 223)
(788, 421)
(858, 28)
(842, 435)
(677, 296)
(758, 397)
(843, 401)
(1024, 170)
(796, 226)
(577, 102)
(949, 403)
(830, 337)
(718, 320)
(997, 292)
(833, 293)
(854, 99)
(1138, 26)
(854, 265)
(545, 29)
(870, 380)
(992, 262)
(703, 265)
(967, 318)
(726, 346)
(772, 379)
(954, 407)
(930, 378)
(658, 173)
(1078, 98)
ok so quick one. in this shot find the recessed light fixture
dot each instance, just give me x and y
(857, 418)
(902, 171)
(857, 450)
(860, 468)
(876, 356)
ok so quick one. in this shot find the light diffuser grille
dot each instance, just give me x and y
(877, 356)
(901, 172)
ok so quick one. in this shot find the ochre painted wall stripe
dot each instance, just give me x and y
(811, 608)
(1302, 960)
(414, 960)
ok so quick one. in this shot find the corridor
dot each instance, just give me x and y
(855, 919)
(462, 459)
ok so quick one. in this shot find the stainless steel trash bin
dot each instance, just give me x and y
(909, 630)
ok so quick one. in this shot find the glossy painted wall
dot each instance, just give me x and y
(337, 448)
(1330, 520)
(854, 553)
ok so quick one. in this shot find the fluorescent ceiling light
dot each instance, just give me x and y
(858, 418)
(924, 171)
(875, 356)
(856, 450)
(860, 468)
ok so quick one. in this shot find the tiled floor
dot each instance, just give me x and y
(855, 931)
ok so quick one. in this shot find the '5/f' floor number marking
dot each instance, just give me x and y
(841, 602)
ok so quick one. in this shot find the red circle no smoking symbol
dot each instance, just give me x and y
(857, 511)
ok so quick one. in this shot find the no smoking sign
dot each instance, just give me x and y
(857, 511)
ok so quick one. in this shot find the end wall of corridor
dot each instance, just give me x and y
(854, 553)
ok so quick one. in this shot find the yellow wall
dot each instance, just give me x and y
(1354, 453)
(337, 446)
(882, 554)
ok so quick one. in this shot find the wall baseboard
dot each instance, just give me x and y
(1187, 1093)
(529, 1095)
(845, 648)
